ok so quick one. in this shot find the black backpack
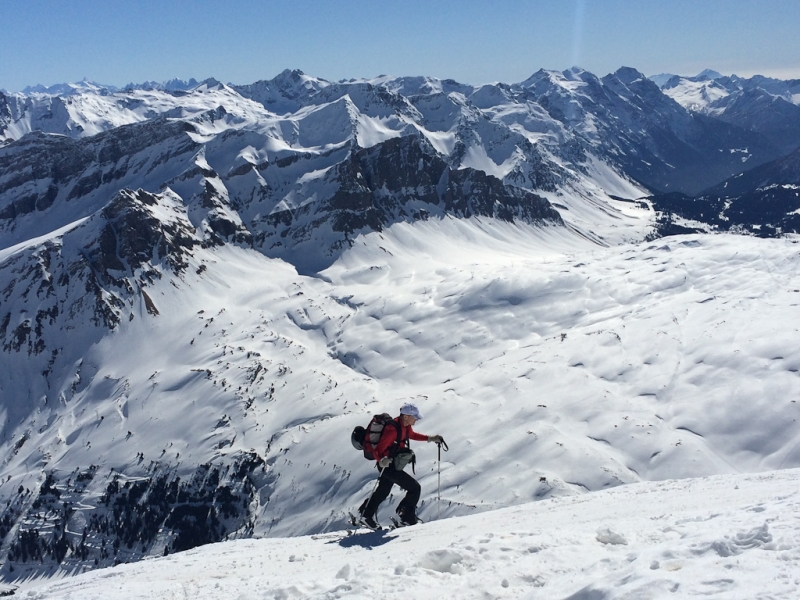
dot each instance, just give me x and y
(365, 439)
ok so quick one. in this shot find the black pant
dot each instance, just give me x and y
(390, 477)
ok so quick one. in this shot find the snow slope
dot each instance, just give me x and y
(729, 536)
(552, 366)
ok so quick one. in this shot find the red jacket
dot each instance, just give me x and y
(389, 437)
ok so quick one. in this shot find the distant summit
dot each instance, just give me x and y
(661, 78)
(705, 75)
(87, 87)
(708, 74)
(768, 106)
(173, 85)
(70, 89)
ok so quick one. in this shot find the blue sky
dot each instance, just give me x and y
(242, 41)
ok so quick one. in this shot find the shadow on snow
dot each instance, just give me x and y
(368, 540)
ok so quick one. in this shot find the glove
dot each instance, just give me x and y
(384, 462)
(436, 439)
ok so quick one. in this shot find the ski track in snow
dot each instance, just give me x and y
(725, 536)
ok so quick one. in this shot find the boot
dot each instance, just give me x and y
(369, 522)
(407, 516)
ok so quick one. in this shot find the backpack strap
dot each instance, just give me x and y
(398, 438)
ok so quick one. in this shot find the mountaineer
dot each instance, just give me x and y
(393, 454)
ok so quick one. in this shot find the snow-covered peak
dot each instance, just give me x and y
(695, 93)
(172, 85)
(543, 77)
(629, 75)
(70, 89)
(708, 74)
(416, 86)
(575, 72)
(787, 89)
(89, 113)
(768, 106)
(491, 96)
(210, 84)
(662, 78)
(286, 93)
(292, 78)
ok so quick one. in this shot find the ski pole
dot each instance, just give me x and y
(439, 477)
(375, 489)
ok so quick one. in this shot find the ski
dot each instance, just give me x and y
(333, 535)
(356, 527)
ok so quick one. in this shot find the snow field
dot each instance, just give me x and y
(552, 366)
(727, 536)
(696, 95)
(671, 359)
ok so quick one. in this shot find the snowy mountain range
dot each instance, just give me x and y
(205, 287)
(763, 104)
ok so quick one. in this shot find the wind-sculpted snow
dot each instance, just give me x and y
(221, 404)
